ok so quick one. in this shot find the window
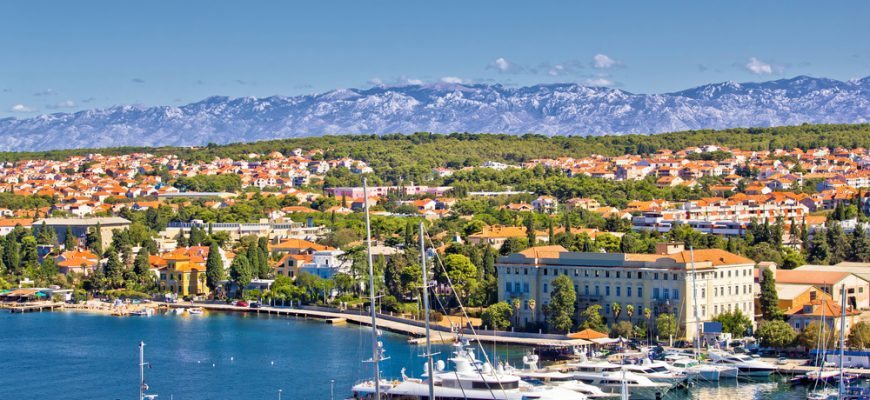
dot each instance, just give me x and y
(576, 273)
(607, 290)
(586, 290)
(586, 272)
(597, 292)
(618, 291)
(703, 310)
(545, 288)
(656, 293)
(676, 294)
(545, 272)
(517, 287)
(640, 291)
(525, 287)
(617, 274)
(674, 277)
(665, 276)
(507, 287)
(596, 273)
(656, 276)
(525, 271)
(703, 293)
(715, 309)
(628, 291)
(576, 289)
(607, 274)
(639, 275)
(812, 295)
(628, 274)
(666, 293)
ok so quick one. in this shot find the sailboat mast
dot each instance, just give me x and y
(426, 313)
(376, 356)
(141, 370)
(841, 388)
(695, 302)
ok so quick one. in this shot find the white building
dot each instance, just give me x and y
(661, 282)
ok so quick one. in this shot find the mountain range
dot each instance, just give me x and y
(551, 109)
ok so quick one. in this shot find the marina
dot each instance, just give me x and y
(241, 355)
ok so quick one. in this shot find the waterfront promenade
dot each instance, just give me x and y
(394, 324)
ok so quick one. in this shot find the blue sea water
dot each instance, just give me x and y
(62, 355)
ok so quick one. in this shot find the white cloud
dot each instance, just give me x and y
(412, 81)
(556, 70)
(46, 92)
(759, 67)
(21, 108)
(400, 81)
(602, 61)
(451, 79)
(503, 65)
(599, 82)
(63, 104)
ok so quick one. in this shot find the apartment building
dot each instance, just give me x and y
(662, 282)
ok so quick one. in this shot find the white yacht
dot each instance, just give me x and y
(609, 377)
(705, 372)
(531, 373)
(659, 371)
(468, 379)
(748, 367)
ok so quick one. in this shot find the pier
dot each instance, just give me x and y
(396, 325)
(31, 307)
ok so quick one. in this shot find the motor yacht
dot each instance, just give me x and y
(706, 372)
(659, 371)
(609, 377)
(467, 378)
(533, 374)
(748, 367)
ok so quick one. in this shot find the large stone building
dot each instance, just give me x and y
(661, 282)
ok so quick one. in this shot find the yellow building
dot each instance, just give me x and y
(184, 275)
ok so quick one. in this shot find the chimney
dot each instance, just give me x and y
(669, 248)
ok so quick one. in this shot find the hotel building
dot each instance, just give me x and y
(662, 282)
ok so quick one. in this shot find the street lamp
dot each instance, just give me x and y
(279, 394)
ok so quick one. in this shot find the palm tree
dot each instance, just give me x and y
(616, 308)
(532, 304)
(629, 311)
(517, 303)
(647, 313)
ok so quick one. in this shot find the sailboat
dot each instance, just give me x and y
(843, 392)
(143, 387)
(372, 389)
(467, 377)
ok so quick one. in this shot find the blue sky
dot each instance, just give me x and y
(63, 56)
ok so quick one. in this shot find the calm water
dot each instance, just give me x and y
(219, 356)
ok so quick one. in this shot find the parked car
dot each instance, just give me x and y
(781, 361)
(255, 305)
(241, 303)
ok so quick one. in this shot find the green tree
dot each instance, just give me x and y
(530, 230)
(561, 308)
(809, 336)
(769, 299)
(94, 239)
(240, 272)
(114, 270)
(69, 240)
(666, 326)
(859, 335)
(497, 316)
(142, 265)
(591, 318)
(819, 252)
(623, 329)
(214, 267)
(462, 273)
(734, 322)
(393, 275)
(775, 333)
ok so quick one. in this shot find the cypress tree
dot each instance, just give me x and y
(69, 240)
(214, 267)
(530, 230)
(769, 299)
(142, 264)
